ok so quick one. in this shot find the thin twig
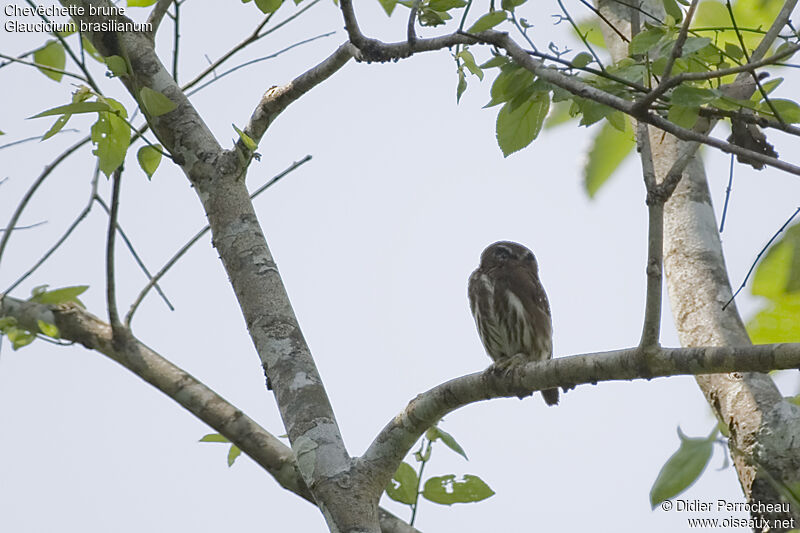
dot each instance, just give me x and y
(755, 262)
(727, 197)
(655, 243)
(32, 190)
(582, 36)
(111, 290)
(68, 48)
(12, 59)
(411, 33)
(185, 248)
(677, 51)
(37, 138)
(525, 33)
(257, 60)
(747, 60)
(176, 38)
(750, 118)
(75, 223)
(29, 226)
(135, 255)
(253, 37)
(566, 62)
(602, 17)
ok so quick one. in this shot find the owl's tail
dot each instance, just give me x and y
(550, 396)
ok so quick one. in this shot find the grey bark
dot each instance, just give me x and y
(764, 428)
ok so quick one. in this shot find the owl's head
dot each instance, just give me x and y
(507, 253)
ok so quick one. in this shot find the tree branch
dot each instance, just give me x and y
(276, 99)
(12, 223)
(655, 244)
(185, 248)
(677, 51)
(78, 325)
(218, 177)
(111, 280)
(157, 15)
(400, 434)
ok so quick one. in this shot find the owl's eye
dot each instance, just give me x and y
(502, 252)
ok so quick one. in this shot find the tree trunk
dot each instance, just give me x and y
(764, 429)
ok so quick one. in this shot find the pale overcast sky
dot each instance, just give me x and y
(375, 239)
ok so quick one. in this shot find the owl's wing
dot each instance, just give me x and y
(481, 291)
(522, 289)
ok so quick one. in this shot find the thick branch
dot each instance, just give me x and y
(277, 99)
(397, 437)
(219, 180)
(374, 50)
(762, 425)
(78, 325)
(157, 15)
(655, 243)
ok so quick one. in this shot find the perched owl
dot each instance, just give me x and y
(510, 308)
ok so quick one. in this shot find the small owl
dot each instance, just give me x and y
(510, 308)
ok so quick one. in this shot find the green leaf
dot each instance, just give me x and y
(388, 6)
(57, 126)
(462, 84)
(233, 453)
(469, 62)
(496, 61)
(447, 490)
(117, 65)
(768, 87)
(248, 142)
(778, 273)
(268, 6)
(672, 9)
(645, 40)
(437, 433)
(74, 109)
(155, 103)
(213, 437)
(683, 116)
(591, 111)
(19, 337)
(509, 83)
(609, 149)
(788, 110)
(509, 5)
(59, 296)
(559, 114)
(683, 468)
(590, 29)
(89, 48)
(112, 136)
(686, 95)
(51, 330)
(694, 44)
(777, 322)
(582, 59)
(619, 120)
(52, 55)
(488, 21)
(403, 486)
(149, 158)
(517, 128)
(734, 51)
(445, 5)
